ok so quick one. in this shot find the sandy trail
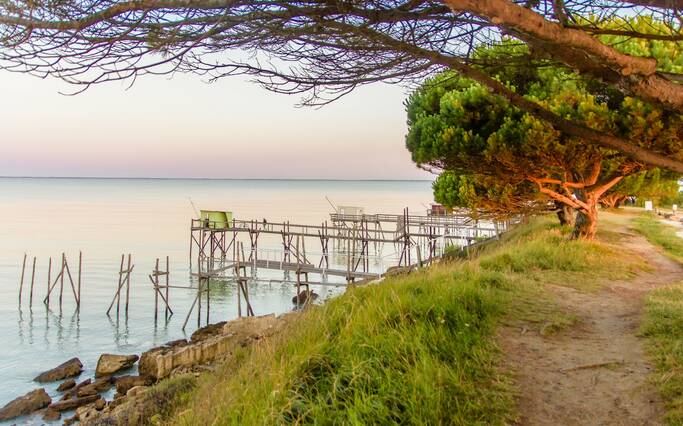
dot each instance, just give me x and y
(595, 373)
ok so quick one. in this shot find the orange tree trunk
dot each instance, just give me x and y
(564, 213)
(586, 224)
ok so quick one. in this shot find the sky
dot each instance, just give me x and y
(184, 127)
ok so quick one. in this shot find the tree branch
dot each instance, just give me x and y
(576, 48)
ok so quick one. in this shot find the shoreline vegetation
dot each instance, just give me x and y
(419, 348)
(663, 322)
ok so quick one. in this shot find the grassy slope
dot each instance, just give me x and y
(663, 324)
(418, 349)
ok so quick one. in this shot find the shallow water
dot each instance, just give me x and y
(148, 218)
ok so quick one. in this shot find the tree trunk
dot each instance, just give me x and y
(587, 220)
(564, 213)
(619, 202)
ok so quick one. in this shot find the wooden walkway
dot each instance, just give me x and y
(292, 267)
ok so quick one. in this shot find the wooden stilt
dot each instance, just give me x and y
(118, 288)
(80, 266)
(128, 284)
(49, 276)
(156, 290)
(168, 272)
(33, 277)
(208, 299)
(21, 282)
(61, 281)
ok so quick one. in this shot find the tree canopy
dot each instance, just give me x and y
(500, 158)
(327, 48)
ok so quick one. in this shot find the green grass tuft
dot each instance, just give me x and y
(661, 235)
(663, 328)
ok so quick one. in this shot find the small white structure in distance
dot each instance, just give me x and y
(648, 206)
(350, 210)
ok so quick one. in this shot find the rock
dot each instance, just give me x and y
(397, 270)
(179, 342)
(73, 391)
(72, 403)
(304, 297)
(137, 390)
(99, 385)
(86, 412)
(70, 421)
(159, 363)
(86, 391)
(124, 383)
(206, 332)
(118, 400)
(100, 404)
(70, 368)
(109, 364)
(51, 415)
(142, 409)
(32, 401)
(65, 386)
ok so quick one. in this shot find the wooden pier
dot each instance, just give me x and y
(414, 239)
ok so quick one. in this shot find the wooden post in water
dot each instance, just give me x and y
(80, 265)
(33, 277)
(168, 301)
(208, 298)
(21, 282)
(118, 289)
(128, 284)
(61, 281)
(156, 290)
(49, 276)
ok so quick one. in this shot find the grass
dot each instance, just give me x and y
(663, 322)
(416, 349)
(663, 328)
(661, 235)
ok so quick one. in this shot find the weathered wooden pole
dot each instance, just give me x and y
(191, 238)
(21, 282)
(33, 277)
(168, 301)
(118, 288)
(80, 266)
(156, 290)
(49, 277)
(208, 299)
(61, 281)
(128, 284)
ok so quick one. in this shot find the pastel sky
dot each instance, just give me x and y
(184, 127)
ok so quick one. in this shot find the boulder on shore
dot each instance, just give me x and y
(26, 404)
(109, 364)
(306, 296)
(66, 385)
(158, 363)
(72, 403)
(124, 383)
(74, 390)
(51, 415)
(99, 385)
(70, 368)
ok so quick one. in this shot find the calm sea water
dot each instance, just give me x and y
(147, 218)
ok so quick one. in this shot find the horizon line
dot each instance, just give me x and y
(217, 179)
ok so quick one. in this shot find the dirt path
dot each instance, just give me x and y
(594, 373)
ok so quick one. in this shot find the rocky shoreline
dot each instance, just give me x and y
(136, 400)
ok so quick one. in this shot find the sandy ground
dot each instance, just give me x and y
(594, 373)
